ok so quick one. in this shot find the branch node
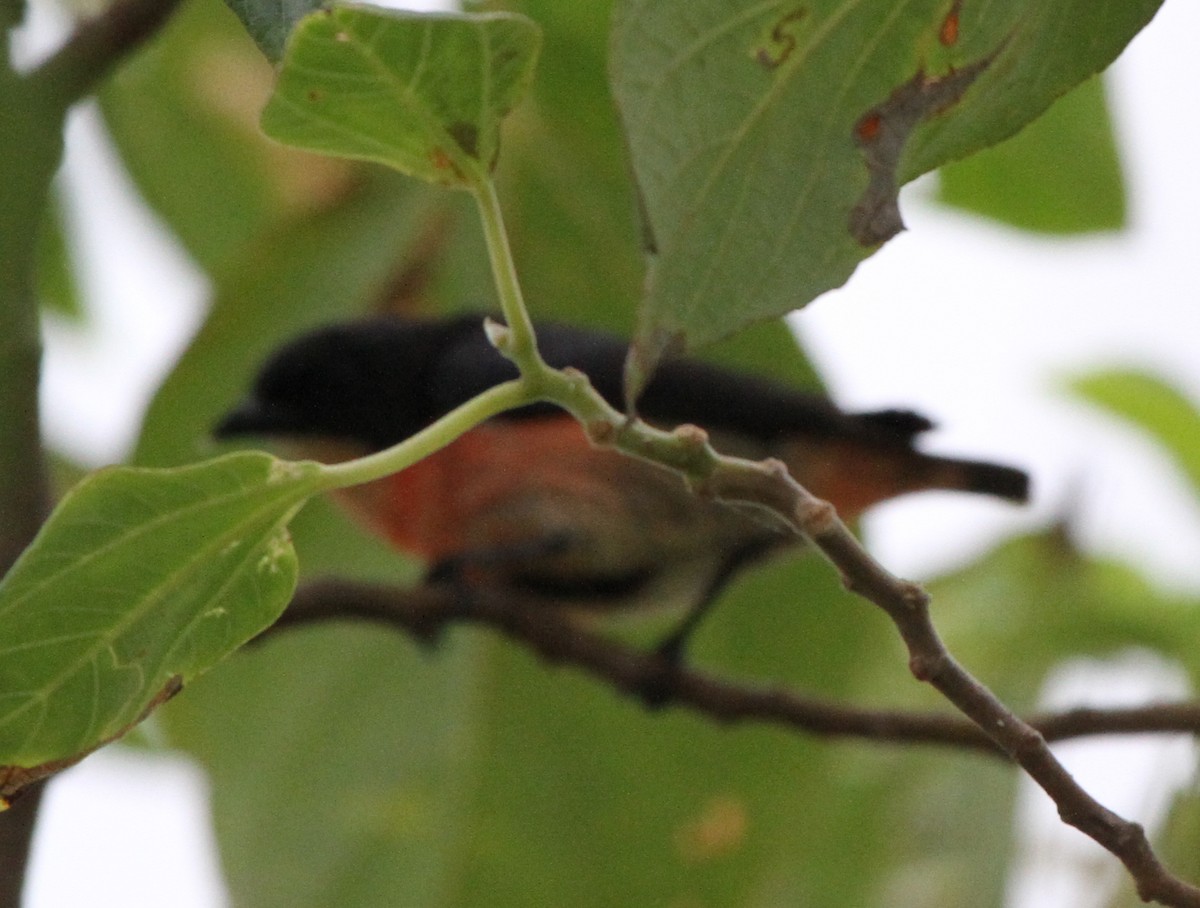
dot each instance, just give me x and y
(815, 517)
(691, 436)
(498, 334)
(1025, 741)
(914, 596)
(776, 470)
(601, 432)
(926, 666)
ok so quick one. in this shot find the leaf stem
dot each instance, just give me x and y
(520, 343)
(511, 394)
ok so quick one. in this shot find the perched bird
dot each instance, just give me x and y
(524, 503)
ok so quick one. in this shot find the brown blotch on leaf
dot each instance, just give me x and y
(881, 133)
(780, 41)
(451, 173)
(466, 136)
(867, 128)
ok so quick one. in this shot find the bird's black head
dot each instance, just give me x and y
(365, 381)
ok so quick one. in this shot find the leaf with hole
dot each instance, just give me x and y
(769, 139)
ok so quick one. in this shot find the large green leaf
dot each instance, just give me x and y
(769, 139)
(139, 580)
(1154, 406)
(477, 775)
(1060, 174)
(424, 94)
(569, 200)
(341, 760)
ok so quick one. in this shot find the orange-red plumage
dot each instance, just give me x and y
(524, 502)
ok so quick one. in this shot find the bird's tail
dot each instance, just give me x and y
(977, 476)
(854, 476)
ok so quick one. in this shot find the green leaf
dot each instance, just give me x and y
(1036, 601)
(769, 139)
(269, 22)
(357, 799)
(424, 94)
(141, 579)
(1060, 174)
(1154, 406)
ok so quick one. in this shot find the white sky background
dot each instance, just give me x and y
(973, 324)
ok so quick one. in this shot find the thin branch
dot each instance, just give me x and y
(98, 44)
(929, 660)
(16, 831)
(425, 612)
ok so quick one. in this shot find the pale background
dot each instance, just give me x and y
(971, 323)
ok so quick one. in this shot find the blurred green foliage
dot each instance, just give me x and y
(1060, 175)
(352, 768)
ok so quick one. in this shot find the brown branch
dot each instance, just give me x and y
(929, 660)
(98, 44)
(425, 612)
(768, 485)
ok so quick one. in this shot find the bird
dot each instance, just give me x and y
(524, 504)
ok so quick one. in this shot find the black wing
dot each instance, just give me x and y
(682, 391)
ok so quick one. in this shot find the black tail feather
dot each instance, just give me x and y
(991, 479)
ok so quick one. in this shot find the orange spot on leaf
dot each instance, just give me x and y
(948, 34)
(867, 129)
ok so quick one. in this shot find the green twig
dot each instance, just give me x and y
(431, 439)
(519, 343)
